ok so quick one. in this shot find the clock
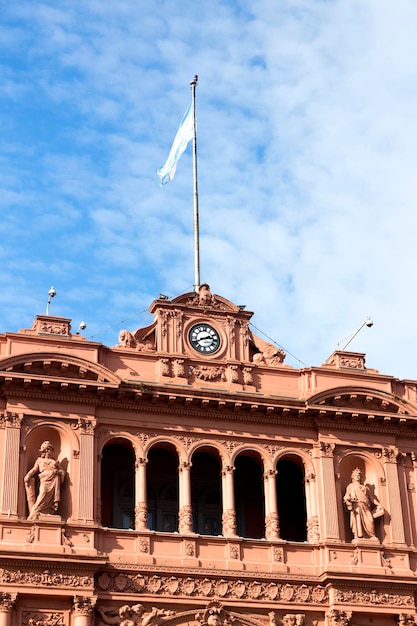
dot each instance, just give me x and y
(204, 338)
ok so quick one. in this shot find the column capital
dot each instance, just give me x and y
(84, 605)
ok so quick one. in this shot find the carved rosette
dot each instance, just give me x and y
(141, 516)
(185, 520)
(339, 618)
(272, 526)
(83, 605)
(7, 601)
(313, 531)
(229, 523)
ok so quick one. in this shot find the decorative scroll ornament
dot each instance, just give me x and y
(267, 354)
(374, 598)
(10, 420)
(45, 578)
(134, 615)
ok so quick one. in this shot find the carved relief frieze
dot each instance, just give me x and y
(45, 578)
(46, 324)
(379, 598)
(144, 544)
(206, 372)
(172, 585)
(36, 618)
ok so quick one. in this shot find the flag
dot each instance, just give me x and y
(184, 134)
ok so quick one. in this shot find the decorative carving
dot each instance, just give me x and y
(179, 370)
(373, 598)
(355, 557)
(214, 615)
(313, 531)
(141, 516)
(144, 545)
(278, 555)
(385, 560)
(83, 605)
(229, 523)
(247, 376)
(406, 620)
(31, 535)
(189, 548)
(234, 552)
(51, 475)
(205, 299)
(185, 520)
(205, 372)
(44, 578)
(267, 354)
(50, 325)
(363, 507)
(272, 526)
(86, 426)
(164, 366)
(326, 449)
(339, 618)
(126, 340)
(390, 455)
(293, 619)
(36, 618)
(7, 601)
(10, 420)
(233, 373)
(64, 539)
(231, 324)
(134, 615)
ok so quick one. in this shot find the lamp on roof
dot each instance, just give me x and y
(368, 322)
(51, 294)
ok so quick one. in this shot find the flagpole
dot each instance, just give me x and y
(193, 84)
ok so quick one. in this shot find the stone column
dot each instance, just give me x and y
(141, 500)
(86, 470)
(313, 530)
(185, 513)
(328, 491)
(11, 422)
(271, 508)
(394, 496)
(83, 608)
(229, 512)
(7, 602)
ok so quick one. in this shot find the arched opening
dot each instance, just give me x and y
(249, 497)
(162, 486)
(206, 493)
(292, 509)
(118, 485)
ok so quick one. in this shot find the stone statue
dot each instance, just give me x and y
(363, 507)
(51, 475)
(135, 615)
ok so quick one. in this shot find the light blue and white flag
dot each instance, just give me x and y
(184, 135)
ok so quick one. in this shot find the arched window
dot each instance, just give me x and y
(292, 510)
(117, 486)
(162, 484)
(206, 494)
(249, 497)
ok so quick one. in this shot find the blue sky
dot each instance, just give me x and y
(307, 140)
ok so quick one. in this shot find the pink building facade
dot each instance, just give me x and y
(188, 476)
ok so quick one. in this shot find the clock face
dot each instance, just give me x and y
(204, 338)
